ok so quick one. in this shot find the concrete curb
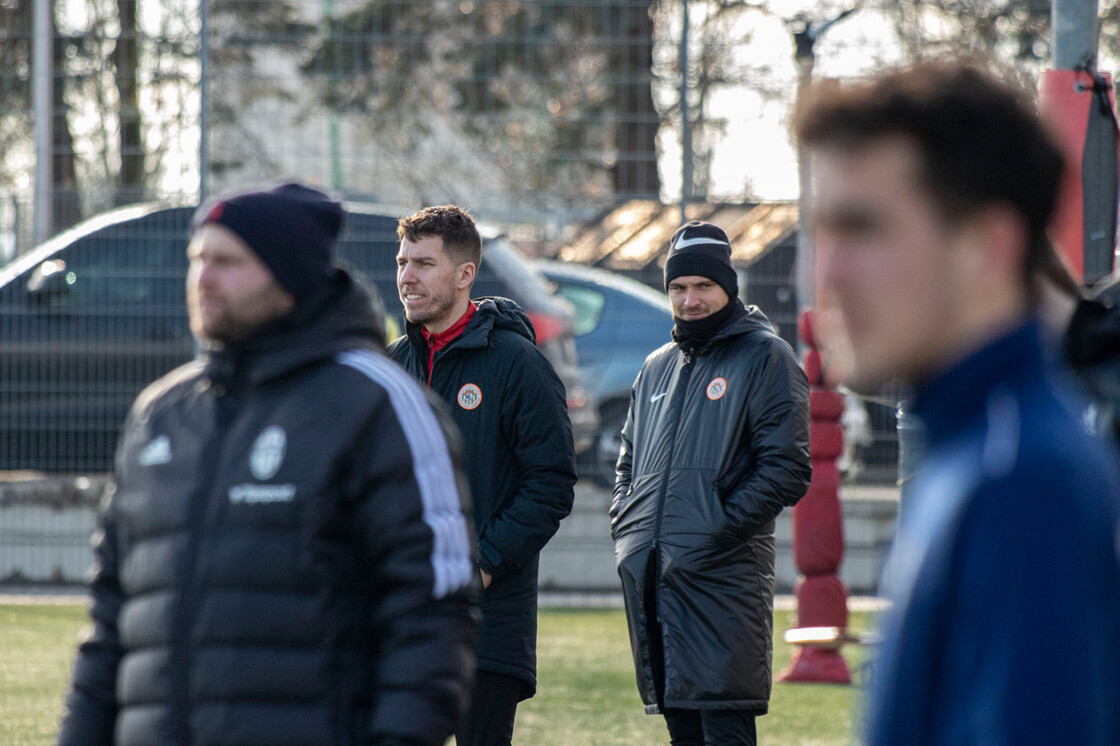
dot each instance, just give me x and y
(46, 524)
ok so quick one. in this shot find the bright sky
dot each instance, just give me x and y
(758, 147)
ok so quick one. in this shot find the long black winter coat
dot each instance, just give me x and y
(510, 407)
(715, 445)
(285, 560)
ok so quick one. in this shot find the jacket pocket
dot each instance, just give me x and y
(618, 506)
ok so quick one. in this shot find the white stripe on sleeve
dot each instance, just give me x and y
(431, 465)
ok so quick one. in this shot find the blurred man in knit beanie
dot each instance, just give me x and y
(275, 248)
(285, 558)
(715, 445)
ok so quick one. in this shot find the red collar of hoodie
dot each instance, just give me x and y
(437, 342)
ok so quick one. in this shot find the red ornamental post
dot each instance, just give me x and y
(818, 529)
(1079, 108)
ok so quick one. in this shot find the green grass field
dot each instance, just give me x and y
(586, 696)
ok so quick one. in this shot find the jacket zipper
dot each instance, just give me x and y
(677, 404)
(432, 372)
(440, 353)
(196, 516)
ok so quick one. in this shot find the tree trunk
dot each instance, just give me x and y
(66, 208)
(125, 62)
(635, 174)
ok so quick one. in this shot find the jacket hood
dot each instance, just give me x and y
(491, 314)
(344, 315)
(753, 320)
(506, 314)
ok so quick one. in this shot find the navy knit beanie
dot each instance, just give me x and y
(702, 249)
(292, 228)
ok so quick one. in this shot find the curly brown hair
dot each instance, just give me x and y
(453, 224)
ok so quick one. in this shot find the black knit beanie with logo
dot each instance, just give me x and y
(702, 249)
(293, 228)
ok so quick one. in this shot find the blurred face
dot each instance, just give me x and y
(231, 294)
(888, 267)
(433, 289)
(695, 297)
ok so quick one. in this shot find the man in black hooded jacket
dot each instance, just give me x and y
(715, 445)
(480, 357)
(285, 559)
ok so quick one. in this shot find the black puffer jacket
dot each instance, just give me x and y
(715, 445)
(518, 455)
(285, 559)
(1092, 348)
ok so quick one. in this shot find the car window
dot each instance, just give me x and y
(126, 275)
(587, 302)
(368, 245)
(116, 268)
(643, 293)
(124, 281)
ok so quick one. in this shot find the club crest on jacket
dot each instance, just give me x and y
(470, 396)
(717, 387)
(268, 453)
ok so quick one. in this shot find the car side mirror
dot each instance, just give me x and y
(48, 284)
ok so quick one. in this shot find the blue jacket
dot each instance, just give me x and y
(1005, 575)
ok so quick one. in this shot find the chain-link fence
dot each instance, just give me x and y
(534, 114)
(539, 116)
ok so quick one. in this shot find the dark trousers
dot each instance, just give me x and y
(710, 727)
(493, 707)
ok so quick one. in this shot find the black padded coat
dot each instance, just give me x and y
(510, 407)
(716, 444)
(1092, 348)
(285, 560)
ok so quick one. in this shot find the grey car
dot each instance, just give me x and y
(618, 323)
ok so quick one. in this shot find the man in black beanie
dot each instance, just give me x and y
(715, 445)
(285, 558)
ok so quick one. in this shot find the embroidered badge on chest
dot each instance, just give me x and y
(268, 453)
(717, 388)
(470, 396)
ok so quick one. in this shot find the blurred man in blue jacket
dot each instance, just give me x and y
(934, 187)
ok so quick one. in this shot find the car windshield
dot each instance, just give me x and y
(641, 292)
(560, 272)
(588, 305)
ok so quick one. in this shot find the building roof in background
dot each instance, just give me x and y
(634, 236)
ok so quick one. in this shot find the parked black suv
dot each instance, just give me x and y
(90, 317)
